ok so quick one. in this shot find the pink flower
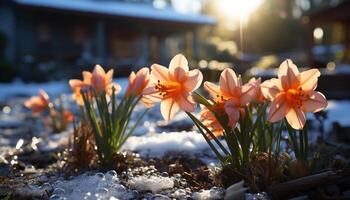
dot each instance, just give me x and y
(173, 86)
(259, 97)
(38, 103)
(293, 94)
(76, 86)
(207, 117)
(232, 94)
(98, 80)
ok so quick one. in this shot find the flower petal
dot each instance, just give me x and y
(278, 108)
(187, 103)
(178, 61)
(169, 108)
(109, 76)
(228, 82)
(232, 111)
(296, 118)
(270, 88)
(178, 75)
(75, 84)
(316, 103)
(194, 80)
(159, 72)
(87, 77)
(288, 73)
(248, 93)
(308, 79)
(213, 89)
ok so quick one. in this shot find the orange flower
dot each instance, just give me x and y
(209, 120)
(259, 97)
(76, 86)
(232, 94)
(174, 86)
(68, 116)
(293, 94)
(98, 80)
(137, 84)
(38, 103)
(102, 81)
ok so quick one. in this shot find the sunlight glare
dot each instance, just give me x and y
(238, 9)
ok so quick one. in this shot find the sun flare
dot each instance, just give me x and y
(238, 9)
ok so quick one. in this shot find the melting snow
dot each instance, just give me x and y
(85, 186)
(152, 183)
(156, 145)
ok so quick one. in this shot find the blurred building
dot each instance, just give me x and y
(77, 33)
(329, 34)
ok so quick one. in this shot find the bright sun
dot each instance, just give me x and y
(238, 9)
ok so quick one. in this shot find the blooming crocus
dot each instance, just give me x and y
(259, 97)
(98, 80)
(102, 81)
(173, 86)
(138, 81)
(232, 94)
(39, 103)
(208, 118)
(293, 94)
(76, 86)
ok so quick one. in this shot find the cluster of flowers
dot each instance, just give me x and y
(58, 115)
(229, 111)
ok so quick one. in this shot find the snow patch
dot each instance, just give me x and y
(156, 145)
(152, 183)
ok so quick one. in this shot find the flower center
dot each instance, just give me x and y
(297, 97)
(167, 89)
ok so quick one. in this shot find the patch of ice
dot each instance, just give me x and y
(151, 183)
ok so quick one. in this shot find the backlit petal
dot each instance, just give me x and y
(228, 82)
(288, 73)
(187, 103)
(296, 118)
(109, 76)
(169, 108)
(308, 79)
(194, 80)
(317, 102)
(75, 83)
(213, 89)
(159, 72)
(270, 88)
(87, 77)
(278, 108)
(232, 111)
(178, 75)
(178, 61)
(248, 93)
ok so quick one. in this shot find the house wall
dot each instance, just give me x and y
(8, 28)
(62, 44)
